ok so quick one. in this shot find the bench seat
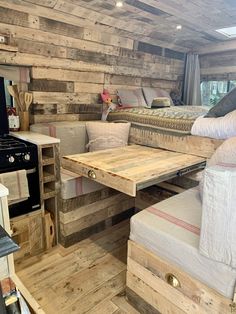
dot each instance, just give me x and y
(165, 271)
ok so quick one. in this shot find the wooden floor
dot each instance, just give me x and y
(86, 278)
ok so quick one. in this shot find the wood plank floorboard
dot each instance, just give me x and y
(88, 277)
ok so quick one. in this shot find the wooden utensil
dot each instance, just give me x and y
(22, 100)
(13, 91)
(28, 100)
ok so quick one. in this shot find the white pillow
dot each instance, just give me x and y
(225, 156)
(104, 135)
(218, 128)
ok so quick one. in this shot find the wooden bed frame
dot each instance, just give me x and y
(155, 286)
(189, 144)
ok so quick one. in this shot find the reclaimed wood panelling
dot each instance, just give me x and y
(218, 66)
(71, 61)
(146, 280)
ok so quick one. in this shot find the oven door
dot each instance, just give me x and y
(33, 202)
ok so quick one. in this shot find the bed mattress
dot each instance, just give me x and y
(171, 229)
(174, 118)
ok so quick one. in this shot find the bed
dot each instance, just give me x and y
(168, 128)
(176, 119)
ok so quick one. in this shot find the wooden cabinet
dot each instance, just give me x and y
(38, 231)
(49, 175)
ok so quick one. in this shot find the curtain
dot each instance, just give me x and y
(192, 92)
(15, 74)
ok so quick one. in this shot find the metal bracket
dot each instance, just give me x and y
(184, 171)
(233, 307)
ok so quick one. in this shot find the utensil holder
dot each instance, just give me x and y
(24, 120)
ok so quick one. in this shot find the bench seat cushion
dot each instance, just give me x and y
(73, 185)
(171, 230)
(72, 135)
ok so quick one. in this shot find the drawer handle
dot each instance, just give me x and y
(92, 174)
(172, 280)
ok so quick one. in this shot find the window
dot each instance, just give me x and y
(9, 100)
(213, 91)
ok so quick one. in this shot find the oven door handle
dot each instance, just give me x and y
(29, 171)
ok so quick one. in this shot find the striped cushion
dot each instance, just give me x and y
(171, 230)
(107, 135)
(72, 135)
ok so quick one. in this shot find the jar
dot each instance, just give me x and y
(13, 120)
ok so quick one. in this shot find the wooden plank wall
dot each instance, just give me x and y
(70, 64)
(218, 66)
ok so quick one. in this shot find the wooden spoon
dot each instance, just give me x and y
(22, 100)
(28, 100)
(13, 91)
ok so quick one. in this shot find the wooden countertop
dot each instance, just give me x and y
(35, 138)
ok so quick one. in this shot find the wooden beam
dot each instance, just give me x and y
(219, 47)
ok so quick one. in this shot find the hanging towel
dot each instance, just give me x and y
(218, 230)
(17, 184)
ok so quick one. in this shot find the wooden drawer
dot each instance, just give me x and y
(131, 168)
(159, 287)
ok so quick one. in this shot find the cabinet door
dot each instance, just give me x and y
(28, 234)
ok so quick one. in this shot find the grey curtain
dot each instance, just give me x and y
(192, 92)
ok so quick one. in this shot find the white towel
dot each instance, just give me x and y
(17, 184)
(218, 230)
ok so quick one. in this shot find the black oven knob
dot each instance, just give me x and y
(27, 157)
(11, 159)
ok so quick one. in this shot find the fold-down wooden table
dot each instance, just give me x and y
(131, 168)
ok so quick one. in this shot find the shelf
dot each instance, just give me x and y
(48, 152)
(49, 194)
(48, 177)
(47, 161)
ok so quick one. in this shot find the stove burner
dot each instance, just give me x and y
(16, 154)
(9, 143)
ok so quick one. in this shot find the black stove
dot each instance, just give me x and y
(17, 154)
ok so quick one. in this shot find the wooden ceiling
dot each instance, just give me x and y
(154, 21)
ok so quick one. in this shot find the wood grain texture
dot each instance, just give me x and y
(72, 60)
(28, 234)
(130, 168)
(146, 278)
(218, 65)
(86, 278)
(71, 36)
(195, 145)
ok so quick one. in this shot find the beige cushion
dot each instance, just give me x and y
(72, 134)
(107, 135)
(225, 156)
(150, 93)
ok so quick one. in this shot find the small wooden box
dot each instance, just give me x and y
(28, 233)
(151, 287)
